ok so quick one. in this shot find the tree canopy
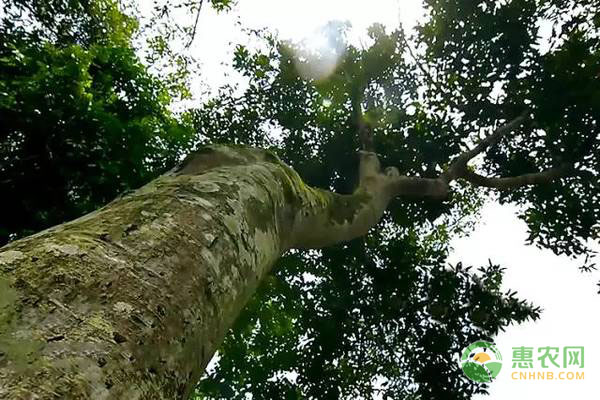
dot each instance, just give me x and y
(86, 116)
(82, 118)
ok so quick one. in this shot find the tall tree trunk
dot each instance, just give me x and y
(131, 301)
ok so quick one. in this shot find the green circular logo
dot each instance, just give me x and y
(481, 361)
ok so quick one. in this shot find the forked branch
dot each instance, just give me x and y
(458, 167)
(514, 182)
(438, 188)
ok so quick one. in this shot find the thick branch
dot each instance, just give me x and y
(420, 188)
(459, 165)
(324, 218)
(438, 188)
(514, 182)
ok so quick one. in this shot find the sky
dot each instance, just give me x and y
(569, 298)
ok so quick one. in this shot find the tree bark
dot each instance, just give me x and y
(132, 300)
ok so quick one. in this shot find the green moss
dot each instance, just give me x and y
(21, 352)
(260, 215)
(8, 296)
(295, 191)
(213, 156)
(344, 208)
(272, 157)
(96, 326)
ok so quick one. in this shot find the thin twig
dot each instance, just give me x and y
(195, 24)
(364, 129)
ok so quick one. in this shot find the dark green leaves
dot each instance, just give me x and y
(81, 123)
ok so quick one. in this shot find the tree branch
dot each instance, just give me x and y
(458, 167)
(364, 129)
(514, 182)
(193, 34)
(438, 188)
(419, 188)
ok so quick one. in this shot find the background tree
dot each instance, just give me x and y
(82, 119)
(484, 72)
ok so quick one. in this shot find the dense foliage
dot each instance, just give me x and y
(381, 315)
(84, 116)
(499, 63)
(82, 119)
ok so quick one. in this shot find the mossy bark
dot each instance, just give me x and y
(131, 301)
